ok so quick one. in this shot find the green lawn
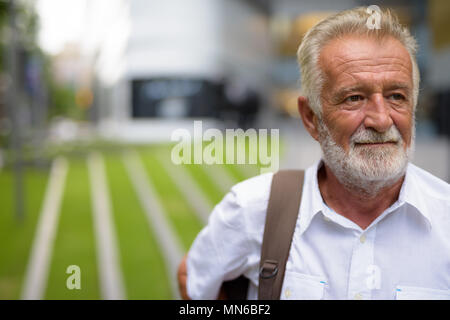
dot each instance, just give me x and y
(75, 241)
(241, 172)
(141, 260)
(205, 182)
(144, 271)
(16, 236)
(180, 214)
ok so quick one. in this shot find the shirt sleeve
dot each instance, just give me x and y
(219, 252)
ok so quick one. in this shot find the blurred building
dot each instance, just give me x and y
(231, 60)
(439, 64)
(171, 60)
(71, 67)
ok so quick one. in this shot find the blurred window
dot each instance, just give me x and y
(174, 98)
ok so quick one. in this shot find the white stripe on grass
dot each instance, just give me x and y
(247, 170)
(111, 280)
(220, 177)
(165, 235)
(38, 265)
(200, 204)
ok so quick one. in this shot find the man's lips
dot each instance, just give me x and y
(374, 144)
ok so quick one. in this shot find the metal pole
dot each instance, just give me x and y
(14, 111)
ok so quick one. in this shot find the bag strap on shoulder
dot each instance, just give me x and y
(282, 213)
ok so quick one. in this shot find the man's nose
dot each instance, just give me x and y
(378, 114)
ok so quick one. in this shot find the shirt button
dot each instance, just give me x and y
(326, 218)
(358, 296)
(287, 293)
(362, 239)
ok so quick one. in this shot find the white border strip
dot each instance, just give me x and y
(111, 281)
(168, 242)
(200, 204)
(220, 176)
(38, 265)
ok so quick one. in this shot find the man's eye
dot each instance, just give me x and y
(397, 96)
(354, 98)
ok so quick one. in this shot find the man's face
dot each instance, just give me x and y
(367, 105)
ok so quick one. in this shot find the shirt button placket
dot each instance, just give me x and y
(358, 296)
(287, 293)
(362, 239)
(362, 258)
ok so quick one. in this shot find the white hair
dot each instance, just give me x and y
(349, 22)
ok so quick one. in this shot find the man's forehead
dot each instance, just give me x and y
(357, 54)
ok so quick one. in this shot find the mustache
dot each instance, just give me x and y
(368, 135)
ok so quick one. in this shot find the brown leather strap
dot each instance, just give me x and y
(282, 213)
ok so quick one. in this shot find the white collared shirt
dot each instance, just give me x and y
(403, 254)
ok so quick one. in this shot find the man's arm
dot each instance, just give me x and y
(221, 250)
(182, 281)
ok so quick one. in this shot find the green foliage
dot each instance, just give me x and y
(61, 97)
(26, 24)
(62, 101)
(3, 8)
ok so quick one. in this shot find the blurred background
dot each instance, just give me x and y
(90, 93)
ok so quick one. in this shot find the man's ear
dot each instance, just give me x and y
(309, 118)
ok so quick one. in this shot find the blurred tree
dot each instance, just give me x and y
(27, 24)
(3, 22)
(62, 99)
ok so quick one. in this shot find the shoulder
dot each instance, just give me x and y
(430, 195)
(244, 206)
(430, 185)
(253, 191)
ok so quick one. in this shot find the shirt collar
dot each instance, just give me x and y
(312, 201)
(412, 194)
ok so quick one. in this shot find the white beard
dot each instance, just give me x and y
(367, 169)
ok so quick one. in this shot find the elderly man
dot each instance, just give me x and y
(370, 225)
